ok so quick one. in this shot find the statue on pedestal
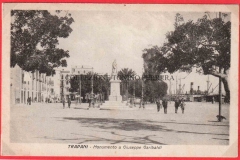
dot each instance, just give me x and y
(114, 68)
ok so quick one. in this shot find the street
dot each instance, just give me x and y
(50, 123)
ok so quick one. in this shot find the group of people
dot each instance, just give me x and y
(90, 98)
(164, 103)
(179, 103)
(94, 98)
(29, 101)
(48, 100)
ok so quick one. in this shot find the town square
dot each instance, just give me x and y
(122, 76)
(50, 123)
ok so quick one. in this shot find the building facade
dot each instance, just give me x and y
(24, 85)
(64, 84)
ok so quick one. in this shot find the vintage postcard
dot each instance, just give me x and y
(137, 80)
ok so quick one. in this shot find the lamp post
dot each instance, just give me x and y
(220, 97)
(92, 82)
(142, 104)
(214, 44)
(220, 90)
(92, 97)
(170, 90)
(134, 93)
(77, 71)
(176, 86)
(126, 91)
(48, 82)
(80, 88)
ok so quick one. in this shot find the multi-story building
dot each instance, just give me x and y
(64, 84)
(35, 85)
(62, 79)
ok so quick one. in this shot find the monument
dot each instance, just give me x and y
(115, 99)
(115, 84)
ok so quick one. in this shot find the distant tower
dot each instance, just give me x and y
(198, 91)
(191, 88)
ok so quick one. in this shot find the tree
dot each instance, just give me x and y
(34, 39)
(204, 45)
(137, 84)
(154, 90)
(101, 84)
(125, 75)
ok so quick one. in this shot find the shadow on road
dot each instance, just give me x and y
(198, 123)
(111, 131)
(80, 108)
(134, 125)
(122, 139)
(120, 124)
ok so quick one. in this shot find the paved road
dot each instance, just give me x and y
(50, 123)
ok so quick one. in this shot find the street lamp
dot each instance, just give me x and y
(127, 91)
(134, 93)
(92, 81)
(48, 83)
(92, 97)
(142, 104)
(80, 88)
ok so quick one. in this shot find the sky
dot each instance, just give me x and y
(100, 37)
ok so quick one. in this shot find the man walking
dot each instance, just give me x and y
(176, 104)
(69, 102)
(158, 105)
(93, 100)
(89, 100)
(30, 100)
(182, 104)
(63, 102)
(165, 103)
(213, 100)
(141, 104)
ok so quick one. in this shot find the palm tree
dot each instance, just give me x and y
(125, 75)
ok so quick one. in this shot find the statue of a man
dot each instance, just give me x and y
(114, 67)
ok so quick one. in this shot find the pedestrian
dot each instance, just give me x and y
(76, 101)
(69, 102)
(63, 102)
(158, 105)
(141, 104)
(160, 102)
(182, 104)
(176, 104)
(27, 100)
(165, 104)
(213, 100)
(89, 100)
(30, 99)
(100, 98)
(93, 98)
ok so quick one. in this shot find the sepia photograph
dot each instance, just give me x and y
(120, 80)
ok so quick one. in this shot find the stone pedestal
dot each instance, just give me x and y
(115, 91)
(115, 99)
